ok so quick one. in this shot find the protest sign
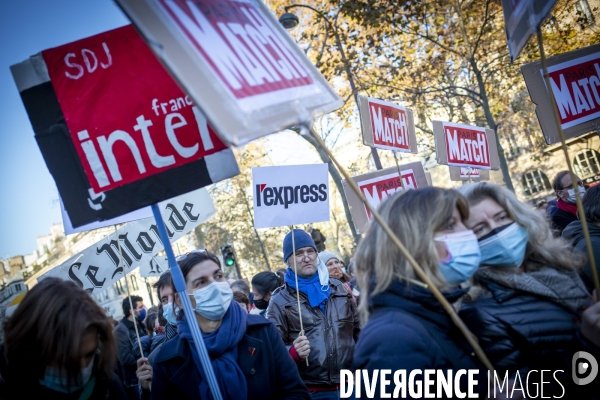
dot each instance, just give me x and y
(575, 80)
(290, 195)
(115, 130)
(378, 186)
(521, 20)
(236, 62)
(155, 267)
(99, 266)
(466, 174)
(460, 145)
(387, 125)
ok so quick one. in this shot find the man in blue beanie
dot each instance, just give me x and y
(329, 316)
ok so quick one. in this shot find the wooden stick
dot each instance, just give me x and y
(418, 270)
(398, 166)
(584, 224)
(137, 334)
(297, 287)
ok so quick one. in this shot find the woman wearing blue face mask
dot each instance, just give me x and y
(527, 296)
(406, 326)
(248, 356)
(59, 345)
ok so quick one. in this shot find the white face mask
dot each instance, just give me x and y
(56, 379)
(212, 301)
(170, 313)
(572, 198)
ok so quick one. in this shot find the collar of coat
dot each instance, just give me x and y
(561, 287)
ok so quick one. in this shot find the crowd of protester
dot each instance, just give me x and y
(518, 276)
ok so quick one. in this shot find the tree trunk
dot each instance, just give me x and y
(337, 178)
(258, 239)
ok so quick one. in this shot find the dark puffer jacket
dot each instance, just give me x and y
(409, 329)
(526, 321)
(332, 336)
(574, 234)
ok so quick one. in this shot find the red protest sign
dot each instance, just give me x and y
(575, 81)
(387, 125)
(127, 123)
(378, 186)
(236, 62)
(465, 145)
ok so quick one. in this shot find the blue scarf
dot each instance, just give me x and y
(222, 347)
(310, 287)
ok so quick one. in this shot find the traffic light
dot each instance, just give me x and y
(319, 239)
(228, 255)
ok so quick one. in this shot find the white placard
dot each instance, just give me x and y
(155, 267)
(99, 266)
(290, 195)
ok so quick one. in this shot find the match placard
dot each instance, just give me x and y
(290, 195)
(378, 186)
(466, 174)
(387, 125)
(115, 130)
(459, 145)
(575, 80)
(236, 62)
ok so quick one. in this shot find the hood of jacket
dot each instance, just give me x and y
(574, 232)
(561, 287)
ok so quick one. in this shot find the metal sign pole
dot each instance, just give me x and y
(180, 288)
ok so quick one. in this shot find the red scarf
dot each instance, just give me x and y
(568, 207)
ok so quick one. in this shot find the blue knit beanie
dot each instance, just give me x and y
(301, 238)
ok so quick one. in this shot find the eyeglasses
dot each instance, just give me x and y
(310, 253)
(580, 184)
(184, 256)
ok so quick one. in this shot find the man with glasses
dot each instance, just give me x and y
(329, 318)
(566, 211)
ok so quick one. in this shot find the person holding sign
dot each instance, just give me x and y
(248, 357)
(329, 317)
(59, 345)
(406, 326)
(528, 297)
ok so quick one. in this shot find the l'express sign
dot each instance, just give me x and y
(575, 81)
(387, 125)
(461, 145)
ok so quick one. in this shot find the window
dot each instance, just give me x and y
(535, 182)
(586, 163)
(584, 13)
(134, 284)
(119, 288)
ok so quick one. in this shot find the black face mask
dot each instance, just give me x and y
(261, 304)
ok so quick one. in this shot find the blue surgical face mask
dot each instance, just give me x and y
(170, 313)
(142, 315)
(463, 256)
(212, 301)
(56, 379)
(504, 246)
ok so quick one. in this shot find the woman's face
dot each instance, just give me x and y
(88, 347)
(334, 266)
(454, 225)
(259, 296)
(486, 216)
(201, 275)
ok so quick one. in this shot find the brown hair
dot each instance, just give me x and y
(47, 328)
(414, 216)
(240, 297)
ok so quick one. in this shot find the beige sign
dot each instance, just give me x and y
(465, 174)
(575, 80)
(459, 145)
(236, 62)
(378, 186)
(387, 125)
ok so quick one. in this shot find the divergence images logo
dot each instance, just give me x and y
(585, 368)
(286, 195)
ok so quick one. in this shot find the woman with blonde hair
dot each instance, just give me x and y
(406, 326)
(527, 296)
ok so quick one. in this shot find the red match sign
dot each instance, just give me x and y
(378, 186)
(465, 145)
(575, 81)
(387, 125)
(129, 126)
(236, 62)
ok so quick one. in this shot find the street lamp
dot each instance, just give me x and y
(290, 21)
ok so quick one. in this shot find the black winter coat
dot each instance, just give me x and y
(560, 220)
(574, 234)
(409, 329)
(527, 321)
(127, 355)
(269, 369)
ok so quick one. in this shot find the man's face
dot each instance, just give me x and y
(139, 306)
(306, 262)
(567, 184)
(166, 294)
